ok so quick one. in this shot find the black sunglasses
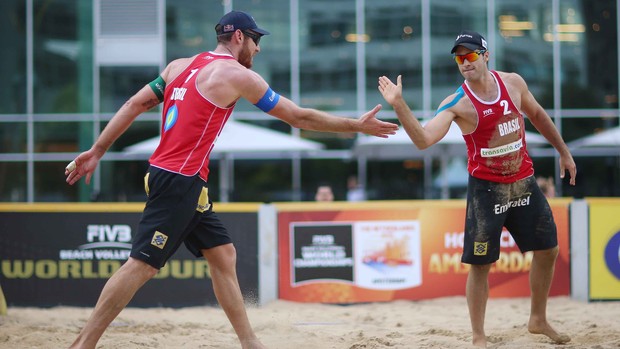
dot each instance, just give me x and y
(252, 35)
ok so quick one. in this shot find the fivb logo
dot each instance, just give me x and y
(105, 235)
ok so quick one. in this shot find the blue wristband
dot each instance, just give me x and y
(268, 101)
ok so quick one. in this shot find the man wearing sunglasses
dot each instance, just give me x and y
(502, 192)
(199, 94)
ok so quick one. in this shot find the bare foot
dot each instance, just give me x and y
(545, 329)
(479, 341)
(252, 344)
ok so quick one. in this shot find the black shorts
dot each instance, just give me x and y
(178, 210)
(521, 207)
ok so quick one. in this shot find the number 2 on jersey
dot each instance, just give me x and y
(503, 103)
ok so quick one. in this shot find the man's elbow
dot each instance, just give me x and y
(136, 105)
(422, 145)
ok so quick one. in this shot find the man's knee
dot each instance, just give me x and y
(546, 257)
(480, 268)
(551, 253)
(221, 257)
(479, 271)
(137, 266)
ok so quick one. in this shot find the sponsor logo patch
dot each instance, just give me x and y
(159, 240)
(203, 200)
(518, 202)
(480, 248)
(502, 150)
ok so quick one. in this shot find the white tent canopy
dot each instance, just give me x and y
(245, 141)
(241, 139)
(607, 138)
(400, 146)
(605, 143)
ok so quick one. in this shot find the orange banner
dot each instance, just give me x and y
(403, 250)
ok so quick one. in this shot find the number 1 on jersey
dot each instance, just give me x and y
(193, 71)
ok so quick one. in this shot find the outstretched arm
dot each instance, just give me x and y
(316, 120)
(253, 87)
(84, 164)
(422, 136)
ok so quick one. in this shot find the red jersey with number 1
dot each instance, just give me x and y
(496, 149)
(191, 123)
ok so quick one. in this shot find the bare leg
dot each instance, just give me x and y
(477, 291)
(222, 264)
(541, 275)
(116, 293)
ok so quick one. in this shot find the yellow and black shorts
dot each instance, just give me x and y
(178, 210)
(521, 207)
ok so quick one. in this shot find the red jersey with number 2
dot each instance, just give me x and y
(191, 123)
(496, 149)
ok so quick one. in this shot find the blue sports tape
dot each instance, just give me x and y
(459, 94)
(268, 101)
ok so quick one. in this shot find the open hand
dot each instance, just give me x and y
(391, 93)
(375, 127)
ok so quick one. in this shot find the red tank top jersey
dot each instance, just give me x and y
(191, 123)
(496, 149)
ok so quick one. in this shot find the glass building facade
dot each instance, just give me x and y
(69, 65)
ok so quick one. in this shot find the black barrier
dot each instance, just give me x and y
(54, 258)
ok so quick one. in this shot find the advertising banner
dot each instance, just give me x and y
(65, 258)
(383, 251)
(604, 249)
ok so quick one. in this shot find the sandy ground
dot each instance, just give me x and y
(437, 323)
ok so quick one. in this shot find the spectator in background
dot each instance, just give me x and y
(355, 192)
(324, 193)
(547, 186)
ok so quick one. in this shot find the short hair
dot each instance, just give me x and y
(223, 38)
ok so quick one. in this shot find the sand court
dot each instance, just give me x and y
(436, 323)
